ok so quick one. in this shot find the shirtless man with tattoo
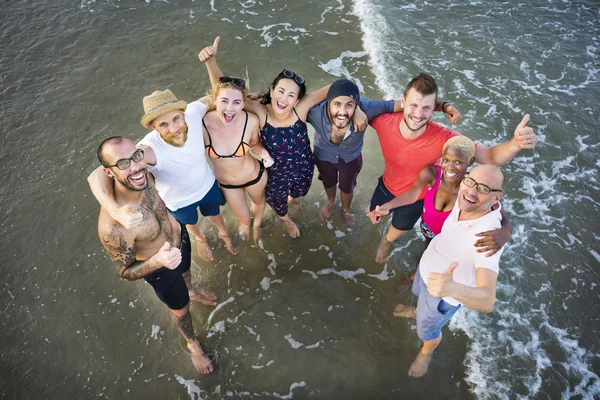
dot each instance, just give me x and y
(157, 248)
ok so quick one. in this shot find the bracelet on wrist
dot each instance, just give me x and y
(445, 106)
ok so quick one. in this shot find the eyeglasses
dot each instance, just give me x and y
(236, 81)
(481, 188)
(291, 74)
(124, 163)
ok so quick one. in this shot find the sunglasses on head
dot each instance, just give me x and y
(124, 163)
(292, 75)
(236, 81)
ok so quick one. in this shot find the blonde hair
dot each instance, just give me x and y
(462, 144)
(214, 92)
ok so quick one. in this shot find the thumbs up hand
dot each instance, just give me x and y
(210, 51)
(524, 134)
(168, 256)
(440, 285)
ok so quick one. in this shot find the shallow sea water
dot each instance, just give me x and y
(305, 318)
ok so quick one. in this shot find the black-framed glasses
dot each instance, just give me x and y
(292, 75)
(124, 163)
(481, 188)
(236, 81)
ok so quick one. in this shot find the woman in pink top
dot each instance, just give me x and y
(443, 183)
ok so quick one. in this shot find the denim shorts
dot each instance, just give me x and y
(209, 205)
(432, 312)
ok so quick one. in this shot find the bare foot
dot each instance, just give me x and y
(244, 232)
(326, 210)
(257, 234)
(204, 250)
(405, 311)
(291, 227)
(350, 218)
(227, 240)
(204, 296)
(419, 367)
(383, 251)
(201, 362)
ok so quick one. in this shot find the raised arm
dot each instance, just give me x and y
(427, 176)
(310, 100)
(207, 56)
(500, 154)
(120, 244)
(479, 298)
(449, 109)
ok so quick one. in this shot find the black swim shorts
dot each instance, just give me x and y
(169, 284)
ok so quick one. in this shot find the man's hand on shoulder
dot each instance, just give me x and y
(360, 119)
(128, 216)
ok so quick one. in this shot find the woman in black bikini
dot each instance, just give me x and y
(230, 134)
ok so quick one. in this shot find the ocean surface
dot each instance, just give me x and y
(311, 317)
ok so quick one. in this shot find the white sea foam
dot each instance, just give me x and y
(216, 328)
(266, 283)
(296, 345)
(385, 274)
(217, 308)
(338, 66)
(376, 33)
(155, 330)
(192, 389)
(290, 395)
(344, 273)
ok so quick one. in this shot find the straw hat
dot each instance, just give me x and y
(160, 103)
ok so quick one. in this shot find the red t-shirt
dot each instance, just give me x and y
(405, 158)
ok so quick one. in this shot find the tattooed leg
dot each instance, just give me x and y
(204, 296)
(183, 319)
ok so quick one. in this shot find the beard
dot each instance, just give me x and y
(337, 123)
(180, 140)
(406, 122)
(125, 182)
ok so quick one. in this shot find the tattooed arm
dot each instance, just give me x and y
(120, 244)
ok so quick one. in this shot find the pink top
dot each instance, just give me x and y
(433, 218)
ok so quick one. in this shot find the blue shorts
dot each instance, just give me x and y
(168, 284)
(210, 206)
(403, 218)
(432, 312)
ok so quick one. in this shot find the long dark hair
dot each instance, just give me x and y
(266, 97)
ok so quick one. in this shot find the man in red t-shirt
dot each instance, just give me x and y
(410, 141)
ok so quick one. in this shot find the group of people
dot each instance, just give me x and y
(259, 146)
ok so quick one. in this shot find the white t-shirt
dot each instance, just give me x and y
(456, 243)
(182, 174)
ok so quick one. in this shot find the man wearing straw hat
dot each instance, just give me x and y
(157, 248)
(174, 153)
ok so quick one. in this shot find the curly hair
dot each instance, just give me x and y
(462, 144)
